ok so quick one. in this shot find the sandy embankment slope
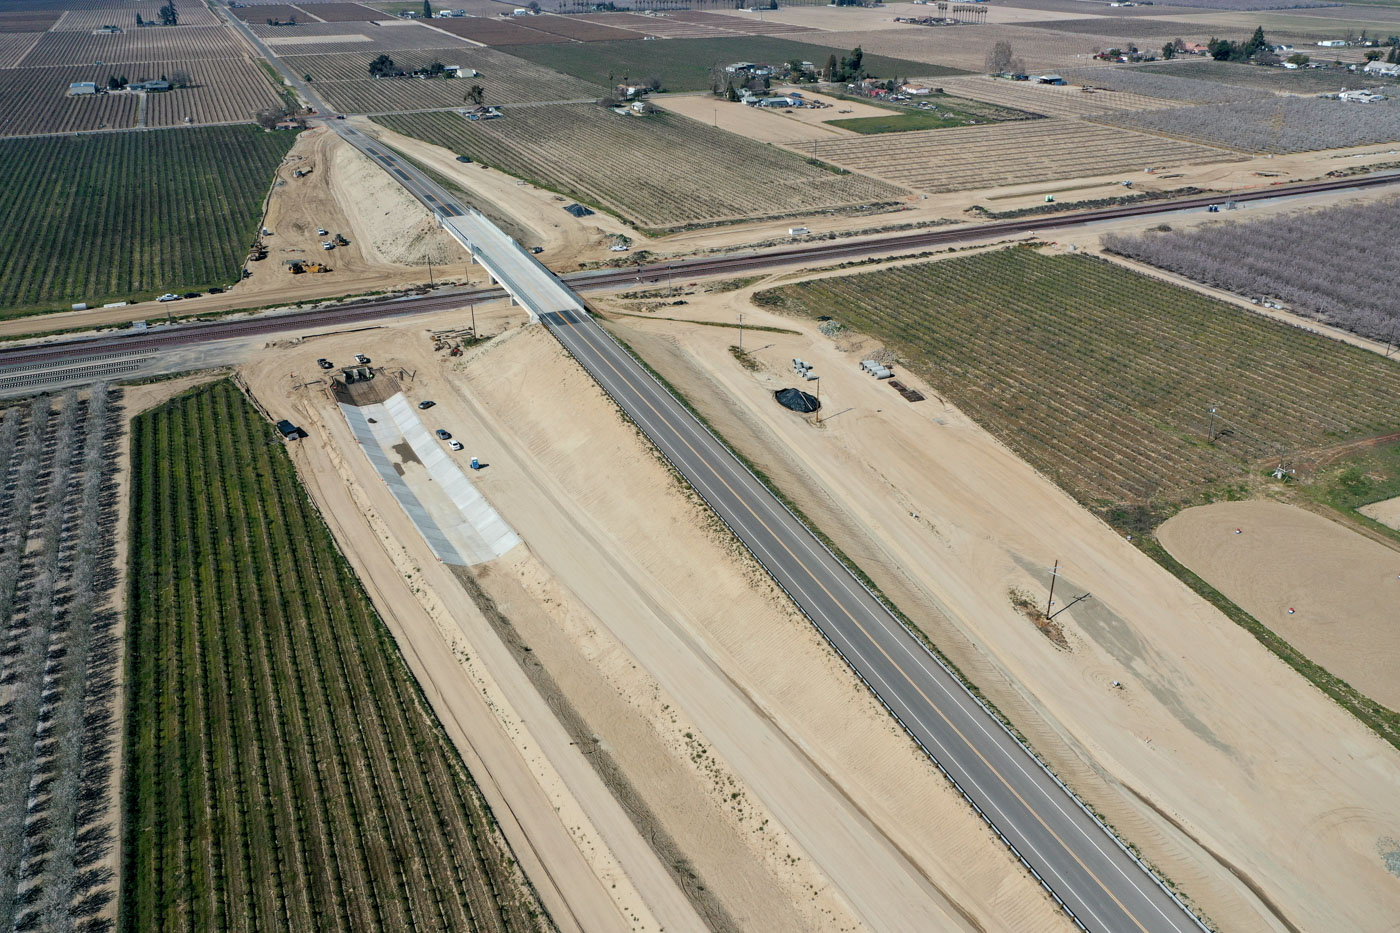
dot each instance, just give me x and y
(1267, 804)
(1332, 593)
(663, 600)
(584, 878)
(790, 792)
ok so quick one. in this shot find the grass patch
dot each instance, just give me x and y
(283, 768)
(947, 111)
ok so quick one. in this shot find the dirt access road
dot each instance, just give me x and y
(1210, 737)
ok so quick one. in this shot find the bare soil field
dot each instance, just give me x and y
(771, 126)
(281, 12)
(495, 31)
(1048, 99)
(155, 44)
(1010, 153)
(1387, 512)
(322, 38)
(1328, 590)
(739, 24)
(680, 170)
(967, 48)
(345, 82)
(26, 21)
(1140, 29)
(572, 27)
(1209, 742)
(343, 12)
(666, 27)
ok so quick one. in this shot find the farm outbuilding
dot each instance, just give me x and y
(78, 88)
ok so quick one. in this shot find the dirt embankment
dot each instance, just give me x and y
(788, 794)
(533, 216)
(791, 793)
(1265, 803)
(1332, 593)
(394, 227)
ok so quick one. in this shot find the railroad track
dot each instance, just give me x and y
(163, 338)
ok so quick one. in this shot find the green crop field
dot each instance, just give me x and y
(1103, 379)
(946, 111)
(283, 770)
(662, 171)
(116, 216)
(684, 64)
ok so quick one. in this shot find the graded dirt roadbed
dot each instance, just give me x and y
(1100, 882)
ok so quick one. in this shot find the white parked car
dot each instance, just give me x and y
(321, 231)
(455, 445)
(168, 296)
(327, 244)
(619, 248)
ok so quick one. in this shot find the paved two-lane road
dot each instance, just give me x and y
(1098, 882)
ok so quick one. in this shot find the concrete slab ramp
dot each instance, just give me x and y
(454, 518)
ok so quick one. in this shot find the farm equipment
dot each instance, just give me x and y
(301, 173)
(258, 252)
(341, 241)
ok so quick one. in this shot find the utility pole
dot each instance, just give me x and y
(430, 270)
(1054, 575)
(1389, 343)
(1210, 431)
(819, 400)
(472, 306)
(741, 332)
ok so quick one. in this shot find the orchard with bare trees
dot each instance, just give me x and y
(1337, 265)
(58, 656)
